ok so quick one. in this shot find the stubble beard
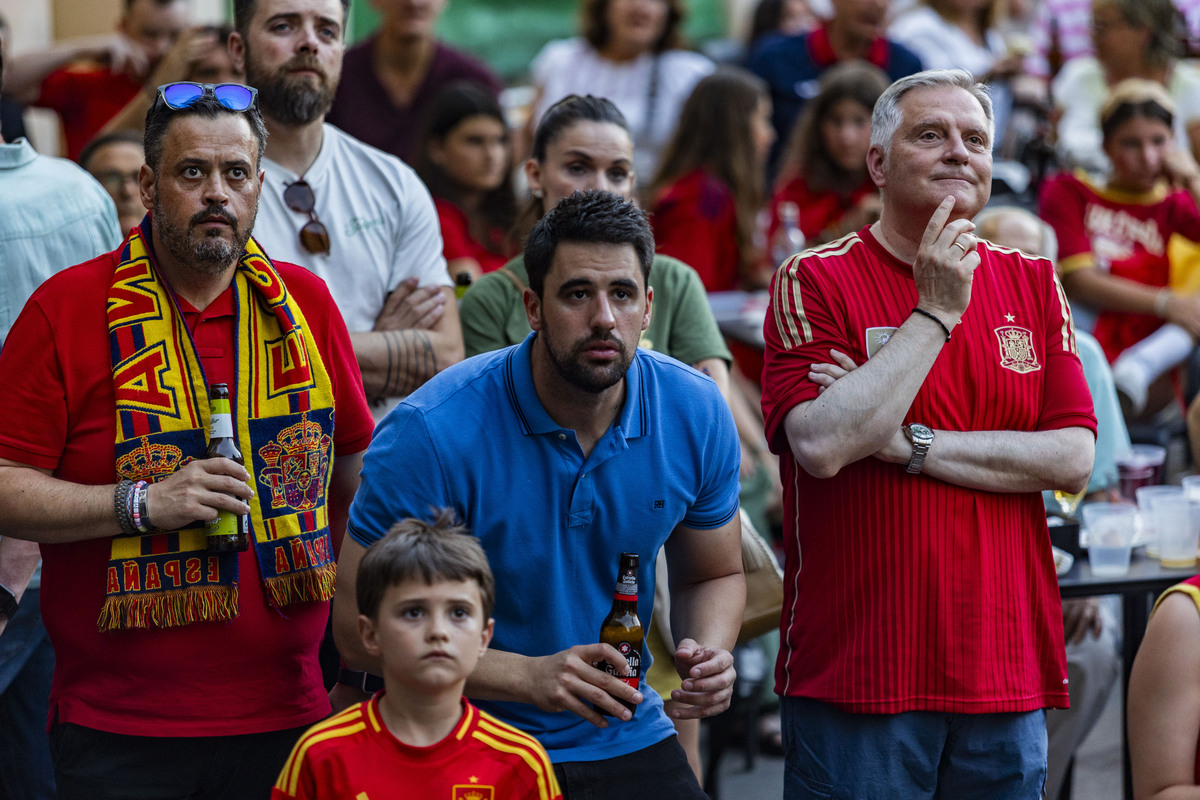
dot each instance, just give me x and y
(592, 379)
(291, 99)
(209, 254)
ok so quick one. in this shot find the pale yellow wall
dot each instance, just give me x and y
(84, 17)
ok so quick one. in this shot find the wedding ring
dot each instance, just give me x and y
(959, 245)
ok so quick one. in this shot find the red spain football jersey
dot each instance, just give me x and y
(352, 755)
(1121, 233)
(906, 592)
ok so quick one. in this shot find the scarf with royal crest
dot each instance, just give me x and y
(283, 419)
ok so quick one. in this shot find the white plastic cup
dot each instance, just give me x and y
(1191, 487)
(1178, 524)
(1110, 537)
(1146, 497)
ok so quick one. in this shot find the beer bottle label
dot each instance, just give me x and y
(627, 586)
(227, 523)
(633, 656)
(221, 423)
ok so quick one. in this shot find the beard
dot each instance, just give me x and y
(291, 99)
(209, 253)
(573, 368)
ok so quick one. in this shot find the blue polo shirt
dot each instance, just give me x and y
(553, 523)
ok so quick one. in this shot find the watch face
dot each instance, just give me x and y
(921, 432)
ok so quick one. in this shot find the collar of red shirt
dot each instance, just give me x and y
(823, 55)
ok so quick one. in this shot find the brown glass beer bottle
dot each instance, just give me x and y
(622, 629)
(229, 532)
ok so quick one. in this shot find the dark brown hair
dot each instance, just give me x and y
(497, 209)
(715, 134)
(806, 152)
(414, 549)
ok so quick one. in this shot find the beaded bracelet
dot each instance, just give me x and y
(137, 502)
(941, 324)
(121, 506)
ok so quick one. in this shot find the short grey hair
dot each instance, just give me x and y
(987, 220)
(887, 116)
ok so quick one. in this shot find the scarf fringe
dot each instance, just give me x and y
(169, 609)
(302, 587)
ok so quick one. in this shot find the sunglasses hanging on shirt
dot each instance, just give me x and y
(314, 237)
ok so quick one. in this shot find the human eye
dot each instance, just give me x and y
(238, 173)
(618, 175)
(192, 173)
(576, 169)
(411, 612)
(280, 26)
(329, 32)
(460, 612)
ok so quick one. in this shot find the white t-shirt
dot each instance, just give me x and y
(381, 221)
(1079, 91)
(942, 45)
(572, 66)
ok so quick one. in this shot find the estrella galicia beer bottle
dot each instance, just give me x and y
(622, 629)
(229, 532)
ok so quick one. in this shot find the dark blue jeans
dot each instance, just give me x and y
(659, 772)
(26, 667)
(917, 754)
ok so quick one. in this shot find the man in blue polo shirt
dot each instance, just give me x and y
(792, 65)
(561, 453)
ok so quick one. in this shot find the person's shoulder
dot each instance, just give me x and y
(465, 65)
(902, 60)
(670, 374)
(301, 282)
(79, 285)
(916, 20)
(831, 257)
(500, 281)
(1080, 69)
(557, 51)
(686, 62)
(509, 734)
(1010, 260)
(347, 151)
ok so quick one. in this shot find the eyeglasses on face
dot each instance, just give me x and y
(314, 237)
(233, 96)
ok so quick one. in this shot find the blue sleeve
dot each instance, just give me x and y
(401, 477)
(721, 457)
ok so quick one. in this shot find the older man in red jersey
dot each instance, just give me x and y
(923, 634)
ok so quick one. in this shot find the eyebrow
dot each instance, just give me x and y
(590, 157)
(292, 16)
(194, 161)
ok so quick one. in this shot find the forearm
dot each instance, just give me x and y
(18, 560)
(857, 415)
(37, 507)
(1006, 461)
(709, 613)
(132, 117)
(397, 363)
(501, 676)
(23, 74)
(1106, 292)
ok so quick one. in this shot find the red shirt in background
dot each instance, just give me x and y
(457, 241)
(695, 221)
(86, 96)
(818, 210)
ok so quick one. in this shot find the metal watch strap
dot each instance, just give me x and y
(920, 449)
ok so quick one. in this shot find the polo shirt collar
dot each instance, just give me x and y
(16, 154)
(631, 423)
(823, 55)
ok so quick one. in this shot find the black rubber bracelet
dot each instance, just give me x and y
(941, 324)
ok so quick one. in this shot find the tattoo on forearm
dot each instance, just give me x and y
(411, 361)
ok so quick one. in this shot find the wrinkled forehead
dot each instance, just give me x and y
(220, 139)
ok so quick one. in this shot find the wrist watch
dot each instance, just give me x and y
(921, 437)
(8, 603)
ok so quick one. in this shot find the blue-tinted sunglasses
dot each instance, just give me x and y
(233, 96)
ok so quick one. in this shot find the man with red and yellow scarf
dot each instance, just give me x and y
(182, 671)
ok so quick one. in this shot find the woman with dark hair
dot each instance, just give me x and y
(824, 165)
(1133, 39)
(1113, 239)
(464, 158)
(709, 190)
(630, 53)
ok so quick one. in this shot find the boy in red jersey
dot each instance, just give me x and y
(425, 594)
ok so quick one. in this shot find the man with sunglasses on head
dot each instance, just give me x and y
(183, 669)
(357, 217)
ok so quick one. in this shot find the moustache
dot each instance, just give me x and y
(305, 61)
(213, 211)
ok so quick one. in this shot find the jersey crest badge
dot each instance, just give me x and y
(877, 338)
(474, 793)
(1016, 349)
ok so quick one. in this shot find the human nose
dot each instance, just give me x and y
(309, 41)
(956, 149)
(215, 191)
(437, 628)
(602, 316)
